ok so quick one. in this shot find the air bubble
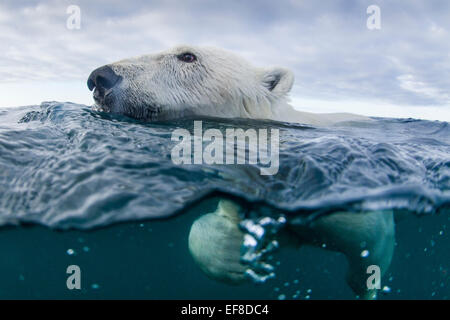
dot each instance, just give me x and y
(386, 289)
(365, 253)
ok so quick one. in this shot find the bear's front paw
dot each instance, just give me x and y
(215, 241)
(233, 250)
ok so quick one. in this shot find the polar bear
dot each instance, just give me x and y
(189, 81)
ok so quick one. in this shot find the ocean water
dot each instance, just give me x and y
(82, 187)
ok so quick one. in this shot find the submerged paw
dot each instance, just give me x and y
(233, 250)
(215, 241)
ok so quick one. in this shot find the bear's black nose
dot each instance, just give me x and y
(103, 78)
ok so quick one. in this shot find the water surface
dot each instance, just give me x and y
(66, 167)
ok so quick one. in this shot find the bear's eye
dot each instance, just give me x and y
(187, 57)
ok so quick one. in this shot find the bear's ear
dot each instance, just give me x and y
(278, 80)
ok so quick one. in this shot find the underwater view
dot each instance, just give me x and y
(82, 187)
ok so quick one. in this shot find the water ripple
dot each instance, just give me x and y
(66, 166)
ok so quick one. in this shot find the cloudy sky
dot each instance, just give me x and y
(400, 70)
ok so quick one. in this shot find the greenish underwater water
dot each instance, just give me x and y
(150, 260)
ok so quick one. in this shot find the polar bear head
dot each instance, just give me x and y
(189, 81)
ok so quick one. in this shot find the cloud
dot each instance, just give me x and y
(409, 83)
(327, 44)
